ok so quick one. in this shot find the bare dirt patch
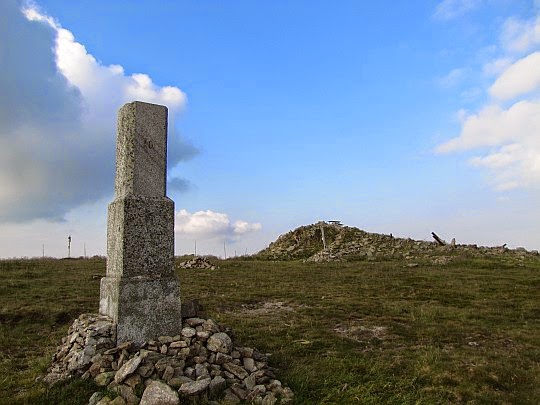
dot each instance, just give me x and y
(268, 307)
(358, 331)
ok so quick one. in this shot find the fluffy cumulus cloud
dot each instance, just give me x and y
(211, 225)
(505, 132)
(58, 109)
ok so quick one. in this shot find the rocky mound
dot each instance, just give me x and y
(349, 243)
(201, 363)
(198, 262)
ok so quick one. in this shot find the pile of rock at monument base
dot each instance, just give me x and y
(344, 243)
(198, 262)
(201, 364)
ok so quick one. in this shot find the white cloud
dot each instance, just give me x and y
(510, 139)
(520, 35)
(450, 9)
(210, 225)
(505, 132)
(58, 107)
(241, 227)
(494, 126)
(519, 78)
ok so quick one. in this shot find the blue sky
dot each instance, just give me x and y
(400, 117)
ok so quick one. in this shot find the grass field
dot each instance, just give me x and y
(361, 332)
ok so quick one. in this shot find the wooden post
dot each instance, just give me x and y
(439, 240)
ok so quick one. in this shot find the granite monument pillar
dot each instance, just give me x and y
(140, 291)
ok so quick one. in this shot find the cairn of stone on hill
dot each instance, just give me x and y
(201, 363)
(344, 243)
(198, 262)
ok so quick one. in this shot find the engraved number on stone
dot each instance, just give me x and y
(149, 144)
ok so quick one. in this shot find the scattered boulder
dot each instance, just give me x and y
(159, 393)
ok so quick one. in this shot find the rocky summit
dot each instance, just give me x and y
(345, 243)
(200, 364)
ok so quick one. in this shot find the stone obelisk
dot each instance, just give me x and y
(140, 291)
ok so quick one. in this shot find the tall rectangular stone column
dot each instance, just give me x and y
(140, 291)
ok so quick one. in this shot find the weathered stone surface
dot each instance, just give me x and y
(103, 379)
(201, 371)
(250, 382)
(236, 370)
(222, 358)
(249, 364)
(257, 391)
(188, 332)
(192, 308)
(127, 394)
(219, 342)
(217, 386)
(269, 399)
(141, 150)
(127, 369)
(118, 401)
(230, 397)
(177, 382)
(104, 401)
(140, 291)
(193, 322)
(95, 398)
(159, 393)
(239, 391)
(194, 387)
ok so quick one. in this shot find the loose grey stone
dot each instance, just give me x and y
(250, 382)
(249, 364)
(95, 398)
(219, 342)
(201, 371)
(217, 386)
(118, 401)
(236, 370)
(168, 373)
(176, 382)
(178, 344)
(257, 391)
(159, 393)
(239, 391)
(188, 332)
(193, 322)
(104, 401)
(127, 393)
(222, 358)
(194, 387)
(269, 399)
(127, 369)
(103, 379)
(230, 397)
(210, 326)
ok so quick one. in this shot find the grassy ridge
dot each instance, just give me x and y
(365, 332)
